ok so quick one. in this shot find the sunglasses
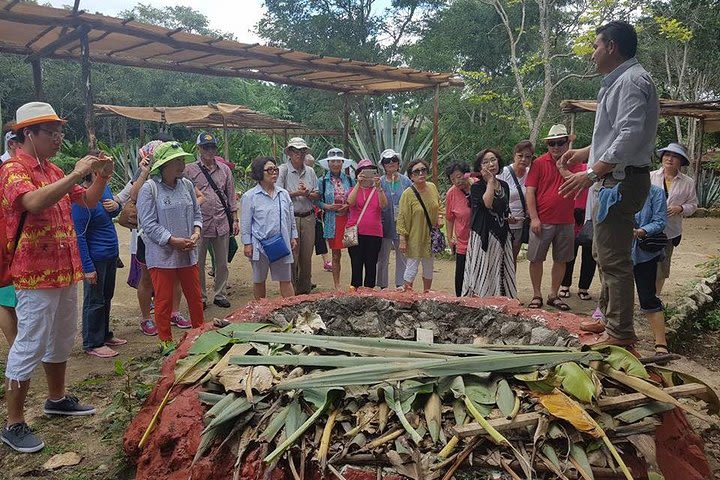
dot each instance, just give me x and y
(296, 150)
(271, 170)
(557, 143)
(420, 171)
(390, 160)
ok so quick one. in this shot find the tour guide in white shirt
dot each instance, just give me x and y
(620, 152)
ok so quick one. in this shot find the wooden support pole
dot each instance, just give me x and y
(346, 126)
(572, 126)
(226, 144)
(699, 152)
(37, 80)
(435, 133)
(86, 85)
(142, 133)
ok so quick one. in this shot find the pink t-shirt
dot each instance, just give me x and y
(371, 222)
(458, 210)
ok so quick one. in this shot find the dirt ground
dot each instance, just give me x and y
(115, 386)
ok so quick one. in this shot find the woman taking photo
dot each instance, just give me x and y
(366, 200)
(169, 215)
(394, 184)
(412, 224)
(457, 216)
(489, 265)
(514, 175)
(334, 188)
(267, 213)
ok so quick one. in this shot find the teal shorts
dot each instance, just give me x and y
(7, 296)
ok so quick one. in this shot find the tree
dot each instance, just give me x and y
(177, 16)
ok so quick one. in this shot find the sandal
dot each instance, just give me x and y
(584, 295)
(557, 303)
(661, 349)
(564, 292)
(536, 302)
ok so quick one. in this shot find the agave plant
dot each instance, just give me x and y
(708, 188)
(390, 129)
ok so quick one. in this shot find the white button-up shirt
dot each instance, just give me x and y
(681, 193)
(626, 119)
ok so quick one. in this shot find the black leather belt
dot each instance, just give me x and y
(632, 169)
(303, 215)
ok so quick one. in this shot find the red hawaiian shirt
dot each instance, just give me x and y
(47, 255)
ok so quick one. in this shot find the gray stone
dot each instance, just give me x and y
(509, 328)
(404, 328)
(711, 279)
(432, 326)
(423, 317)
(368, 325)
(705, 288)
(527, 327)
(279, 320)
(543, 336)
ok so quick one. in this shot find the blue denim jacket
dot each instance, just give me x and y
(327, 196)
(393, 192)
(652, 218)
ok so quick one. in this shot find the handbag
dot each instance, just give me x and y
(653, 243)
(275, 247)
(128, 215)
(525, 234)
(350, 235)
(437, 237)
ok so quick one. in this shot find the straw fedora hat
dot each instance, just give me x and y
(34, 113)
(559, 131)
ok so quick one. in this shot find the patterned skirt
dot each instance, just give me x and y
(489, 273)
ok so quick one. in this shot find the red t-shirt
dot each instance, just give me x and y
(546, 179)
(458, 210)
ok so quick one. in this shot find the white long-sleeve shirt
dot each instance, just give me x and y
(681, 193)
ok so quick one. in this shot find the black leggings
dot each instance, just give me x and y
(364, 255)
(587, 267)
(645, 275)
(459, 273)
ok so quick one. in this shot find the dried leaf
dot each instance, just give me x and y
(192, 368)
(67, 459)
(579, 458)
(561, 406)
(433, 416)
(308, 323)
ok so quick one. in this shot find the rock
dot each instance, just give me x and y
(527, 327)
(432, 326)
(368, 325)
(705, 288)
(67, 459)
(509, 328)
(279, 320)
(463, 334)
(711, 279)
(543, 336)
(102, 469)
(423, 317)
(404, 328)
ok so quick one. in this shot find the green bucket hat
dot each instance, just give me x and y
(168, 151)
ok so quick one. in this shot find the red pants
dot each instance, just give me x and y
(163, 280)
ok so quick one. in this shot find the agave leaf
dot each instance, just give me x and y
(192, 368)
(581, 462)
(393, 400)
(638, 413)
(505, 397)
(650, 390)
(323, 361)
(220, 406)
(294, 417)
(314, 397)
(621, 359)
(229, 330)
(674, 377)
(239, 406)
(576, 381)
(210, 341)
(277, 422)
(209, 398)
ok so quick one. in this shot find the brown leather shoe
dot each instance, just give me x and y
(605, 339)
(593, 326)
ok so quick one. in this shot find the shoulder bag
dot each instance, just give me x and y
(437, 238)
(232, 246)
(275, 247)
(350, 235)
(653, 243)
(525, 234)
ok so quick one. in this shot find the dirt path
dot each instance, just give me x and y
(97, 439)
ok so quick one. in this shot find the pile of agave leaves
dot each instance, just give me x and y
(424, 410)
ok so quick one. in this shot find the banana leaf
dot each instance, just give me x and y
(192, 368)
(576, 381)
(673, 377)
(621, 359)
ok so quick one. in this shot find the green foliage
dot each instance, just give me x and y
(709, 321)
(707, 188)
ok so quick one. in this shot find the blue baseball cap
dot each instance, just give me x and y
(206, 138)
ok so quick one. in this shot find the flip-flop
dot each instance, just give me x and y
(102, 352)
(584, 295)
(564, 292)
(536, 302)
(115, 342)
(557, 303)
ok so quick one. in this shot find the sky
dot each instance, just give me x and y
(236, 16)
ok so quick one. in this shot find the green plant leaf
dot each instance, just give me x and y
(483, 392)
(210, 341)
(230, 330)
(505, 397)
(674, 377)
(576, 381)
(621, 359)
(190, 369)
(638, 413)
(295, 417)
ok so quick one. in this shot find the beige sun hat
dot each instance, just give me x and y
(559, 131)
(297, 142)
(33, 113)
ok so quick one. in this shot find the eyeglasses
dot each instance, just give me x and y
(488, 161)
(420, 171)
(271, 170)
(390, 160)
(557, 143)
(55, 135)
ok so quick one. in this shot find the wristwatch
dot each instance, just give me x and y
(592, 175)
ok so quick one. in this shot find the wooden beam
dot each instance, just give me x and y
(226, 144)
(346, 126)
(435, 133)
(40, 35)
(37, 80)
(63, 40)
(86, 85)
(609, 403)
(392, 73)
